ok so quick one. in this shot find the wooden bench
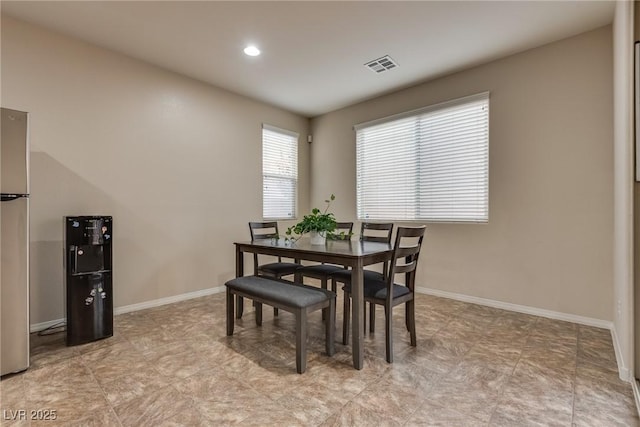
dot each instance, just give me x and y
(292, 297)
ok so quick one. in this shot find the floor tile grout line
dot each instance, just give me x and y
(104, 394)
(513, 370)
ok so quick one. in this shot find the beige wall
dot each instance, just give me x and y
(548, 243)
(175, 161)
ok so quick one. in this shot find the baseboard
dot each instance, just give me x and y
(167, 300)
(37, 327)
(636, 394)
(556, 315)
(623, 371)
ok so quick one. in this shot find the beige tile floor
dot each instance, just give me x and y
(473, 366)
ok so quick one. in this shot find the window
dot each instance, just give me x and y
(279, 173)
(430, 164)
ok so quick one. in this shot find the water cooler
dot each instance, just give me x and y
(88, 272)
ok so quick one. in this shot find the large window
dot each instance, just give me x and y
(430, 164)
(279, 173)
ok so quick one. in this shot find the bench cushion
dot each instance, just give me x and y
(279, 291)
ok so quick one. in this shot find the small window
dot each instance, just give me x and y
(279, 173)
(430, 164)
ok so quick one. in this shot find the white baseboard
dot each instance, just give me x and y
(167, 300)
(636, 394)
(623, 371)
(556, 315)
(37, 327)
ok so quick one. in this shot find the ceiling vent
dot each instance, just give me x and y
(381, 64)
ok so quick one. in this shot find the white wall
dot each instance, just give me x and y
(175, 161)
(548, 243)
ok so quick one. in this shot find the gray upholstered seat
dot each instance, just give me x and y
(344, 275)
(292, 294)
(278, 269)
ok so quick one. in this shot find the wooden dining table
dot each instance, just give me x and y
(352, 254)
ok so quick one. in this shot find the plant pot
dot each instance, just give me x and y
(317, 238)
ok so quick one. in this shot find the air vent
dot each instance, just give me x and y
(381, 64)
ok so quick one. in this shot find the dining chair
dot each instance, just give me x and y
(387, 292)
(279, 269)
(369, 232)
(323, 271)
(269, 230)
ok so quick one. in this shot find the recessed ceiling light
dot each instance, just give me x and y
(252, 50)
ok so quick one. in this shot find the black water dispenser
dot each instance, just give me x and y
(88, 271)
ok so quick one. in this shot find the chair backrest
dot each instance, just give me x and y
(344, 227)
(263, 230)
(406, 251)
(376, 232)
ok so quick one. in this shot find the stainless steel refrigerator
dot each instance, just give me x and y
(14, 242)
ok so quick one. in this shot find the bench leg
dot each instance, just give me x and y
(230, 316)
(330, 325)
(258, 313)
(301, 340)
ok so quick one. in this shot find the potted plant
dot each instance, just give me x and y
(319, 225)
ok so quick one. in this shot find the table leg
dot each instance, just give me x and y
(239, 273)
(357, 315)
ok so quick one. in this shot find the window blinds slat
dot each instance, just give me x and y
(279, 173)
(432, 165)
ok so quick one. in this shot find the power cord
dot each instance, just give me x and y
(53, 329)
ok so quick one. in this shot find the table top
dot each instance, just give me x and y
(338, 248)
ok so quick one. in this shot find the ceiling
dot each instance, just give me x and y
(313, 53)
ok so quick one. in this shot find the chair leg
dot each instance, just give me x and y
(388, 317)
(301, 341)
(330, 328)
(230, 315)
(258, 314)
(406, 316)
(411, 310)
(275, 311)
(346, 319)
(239, 307)
(372, 317)
(323, 285)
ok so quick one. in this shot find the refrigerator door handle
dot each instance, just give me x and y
(7, 197)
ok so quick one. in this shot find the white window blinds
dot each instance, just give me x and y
(430, 164)
(279, 173)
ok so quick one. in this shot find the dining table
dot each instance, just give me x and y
(352, 254)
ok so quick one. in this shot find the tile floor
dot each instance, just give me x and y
(473, 366)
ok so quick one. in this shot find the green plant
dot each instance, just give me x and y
(323, 222)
